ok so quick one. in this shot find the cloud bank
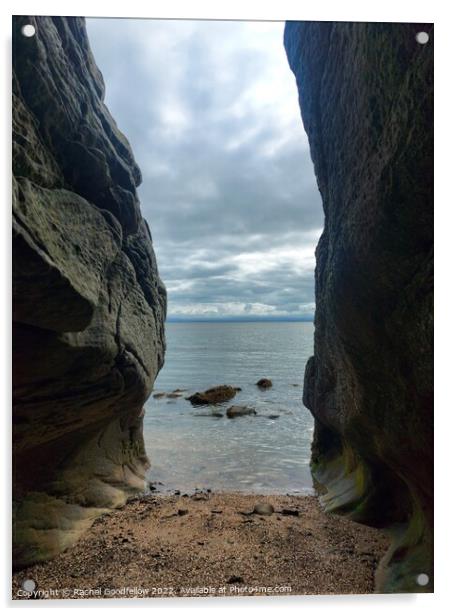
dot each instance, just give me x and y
(211, 111)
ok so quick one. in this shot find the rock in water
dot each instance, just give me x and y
(88, 303)
(264, 383)
(215, 395)
(366, 97)
(238, 411)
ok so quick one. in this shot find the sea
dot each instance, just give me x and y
(190, 448)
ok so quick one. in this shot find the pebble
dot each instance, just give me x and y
(294, 512)
(199, 497)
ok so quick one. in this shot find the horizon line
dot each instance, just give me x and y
(239, 319)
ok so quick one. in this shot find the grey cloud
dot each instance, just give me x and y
(211, 111)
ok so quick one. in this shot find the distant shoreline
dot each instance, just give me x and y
(240, 320)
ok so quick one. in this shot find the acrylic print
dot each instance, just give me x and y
(222, 303)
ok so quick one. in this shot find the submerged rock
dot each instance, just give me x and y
(239, 411)
(366, 97)
(264, 383)
(215, 395)
(88, 303)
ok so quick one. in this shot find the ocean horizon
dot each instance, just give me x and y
(251, 319)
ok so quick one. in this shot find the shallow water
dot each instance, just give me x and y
(246, 454)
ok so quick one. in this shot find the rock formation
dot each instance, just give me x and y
(88, 304)
(366, 98)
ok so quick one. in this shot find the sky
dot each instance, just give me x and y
(211, 111)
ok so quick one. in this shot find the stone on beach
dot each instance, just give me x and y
(263, 509)
(293, 512)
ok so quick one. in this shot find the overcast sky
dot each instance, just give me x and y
(211, 111)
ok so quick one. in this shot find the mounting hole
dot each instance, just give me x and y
(422, 579)
(28, 30)
(422, 38)
(28, 585)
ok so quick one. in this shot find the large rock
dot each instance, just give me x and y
(214, 395)
(88, 304)
(366, 97)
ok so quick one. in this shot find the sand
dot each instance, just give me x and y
(210, 544)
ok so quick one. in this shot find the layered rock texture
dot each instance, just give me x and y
(88, 304)
(366, 98)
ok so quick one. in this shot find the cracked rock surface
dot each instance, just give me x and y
(88, 303)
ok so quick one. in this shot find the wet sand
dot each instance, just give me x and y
(212, 545)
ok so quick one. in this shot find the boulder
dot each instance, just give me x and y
(215, 395)
(88, 303)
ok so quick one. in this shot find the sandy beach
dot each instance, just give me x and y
(207, 544)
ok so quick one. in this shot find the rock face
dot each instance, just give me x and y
(366, 97)
(88, 304)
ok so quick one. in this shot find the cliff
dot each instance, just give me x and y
(88, 304)
(366, 98)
